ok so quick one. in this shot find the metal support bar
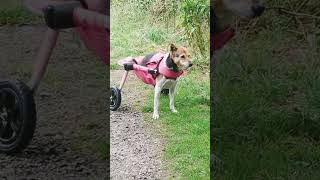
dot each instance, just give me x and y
(43, 58)
(124, 78)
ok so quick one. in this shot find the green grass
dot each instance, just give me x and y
(10, 4)
(16, 16)
(104, 149)
(13, 12)
(267, 114)
(133, 35)
(187, 133)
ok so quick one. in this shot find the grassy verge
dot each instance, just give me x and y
(267, 124)
(13, 12)
(132, 34)
(16, 16)
(186, 133)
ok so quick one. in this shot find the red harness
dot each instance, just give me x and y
(157, 62)
(220, 39)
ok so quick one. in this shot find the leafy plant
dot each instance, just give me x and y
(156, 35)
(195, 15)
(191, 16)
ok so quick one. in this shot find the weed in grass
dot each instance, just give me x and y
(115, 66)
(156, 35)
(104, 148)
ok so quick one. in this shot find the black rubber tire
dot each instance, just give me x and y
(24, 115)
(115, 98)
(165, 91)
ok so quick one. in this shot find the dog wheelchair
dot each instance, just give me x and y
(17, 105)
(147, 73)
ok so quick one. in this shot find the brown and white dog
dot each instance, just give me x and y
(179, 58)
(161, 70)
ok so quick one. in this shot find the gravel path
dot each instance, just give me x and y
(71, 126)
(136, 150)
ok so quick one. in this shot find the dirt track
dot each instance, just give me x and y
(136, 149)
(71, 129)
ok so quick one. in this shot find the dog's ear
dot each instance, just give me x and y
(173, 48)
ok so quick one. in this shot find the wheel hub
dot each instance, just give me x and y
(4, 115)
(112, 99)
(8, 118)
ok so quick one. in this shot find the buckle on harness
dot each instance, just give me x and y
(153, 71)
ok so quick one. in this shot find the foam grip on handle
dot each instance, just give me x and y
(60, 16)
(128, 67)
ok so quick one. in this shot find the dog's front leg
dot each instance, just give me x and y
(160, 81)
(172, 92)
(157, 92)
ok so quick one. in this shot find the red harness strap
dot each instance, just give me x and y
(220, 39)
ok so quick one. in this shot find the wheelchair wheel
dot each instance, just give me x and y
(115, 99)
(17, 116)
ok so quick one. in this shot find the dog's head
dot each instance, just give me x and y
(242, 8)
(180, 57)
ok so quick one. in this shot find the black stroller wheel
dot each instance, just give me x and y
(115, 99)
(17, 116)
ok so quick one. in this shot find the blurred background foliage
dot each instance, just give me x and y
(191, 16)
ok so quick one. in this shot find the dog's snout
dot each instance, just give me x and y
(258, 10)
(191, 64)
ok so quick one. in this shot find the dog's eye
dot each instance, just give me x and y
(183, 56)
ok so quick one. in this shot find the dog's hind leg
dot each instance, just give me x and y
(172, 92)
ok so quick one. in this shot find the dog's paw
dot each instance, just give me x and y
(174, 111)
(155, 116)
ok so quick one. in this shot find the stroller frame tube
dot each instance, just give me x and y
(141, 68)
(135, 67)
(123, 80)
(81, 17)
(43, 57)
